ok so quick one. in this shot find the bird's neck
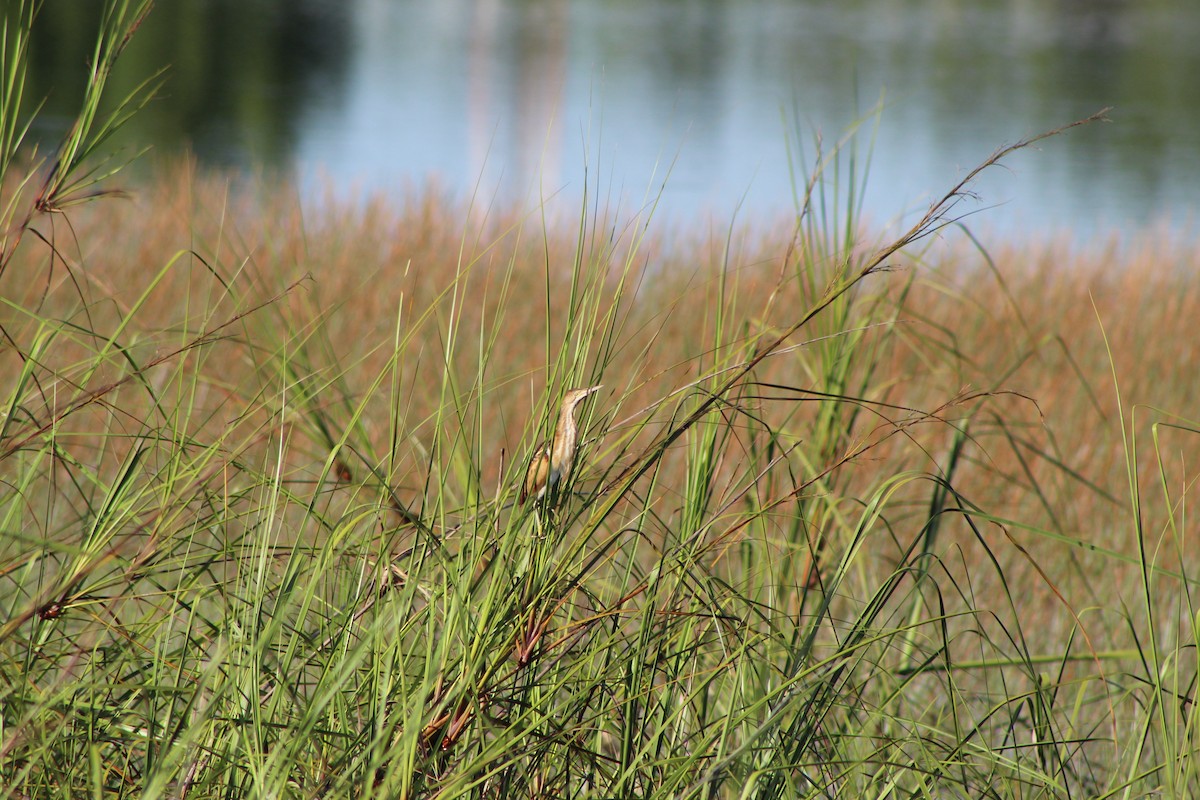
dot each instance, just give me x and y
(564, 437)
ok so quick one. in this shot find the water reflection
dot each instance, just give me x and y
(516, 96)
(239, 72)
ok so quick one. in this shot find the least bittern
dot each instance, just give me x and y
(551, 465)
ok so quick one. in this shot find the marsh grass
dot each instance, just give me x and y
(852, 518)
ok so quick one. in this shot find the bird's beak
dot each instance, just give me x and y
(594, 389)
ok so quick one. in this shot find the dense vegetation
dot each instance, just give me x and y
(851, 518)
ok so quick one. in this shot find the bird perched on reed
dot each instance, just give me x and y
(551, 464)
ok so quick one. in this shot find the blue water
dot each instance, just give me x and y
(697, 104)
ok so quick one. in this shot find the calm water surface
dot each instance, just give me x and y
(701, 99)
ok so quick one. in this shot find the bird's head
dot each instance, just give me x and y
(574, 397)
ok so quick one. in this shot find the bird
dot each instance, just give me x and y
(551, 464)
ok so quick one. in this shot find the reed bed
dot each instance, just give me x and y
(852, 516)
